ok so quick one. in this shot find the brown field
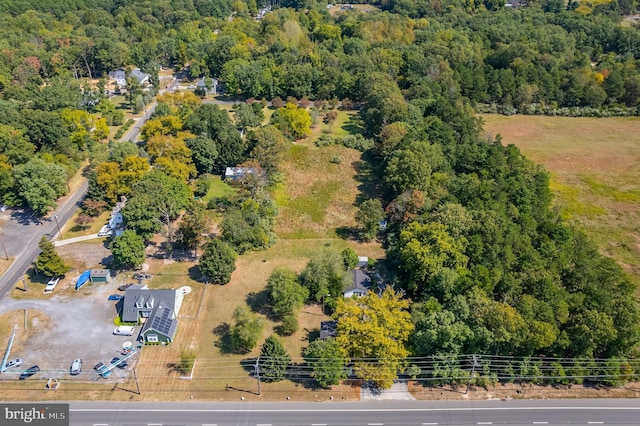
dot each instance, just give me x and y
(595, 174)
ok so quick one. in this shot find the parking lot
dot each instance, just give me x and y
(78, 326)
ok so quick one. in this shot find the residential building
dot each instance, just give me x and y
(156, 309)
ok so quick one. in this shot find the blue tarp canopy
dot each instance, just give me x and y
(83, 279)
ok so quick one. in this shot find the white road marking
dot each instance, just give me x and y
(485, 423)
(595, 423)
(101, 424)
(209, 424)
(343, 410)
(263, 424)
(540, 423)
(429, 424)
(375, 424)
(318, 424)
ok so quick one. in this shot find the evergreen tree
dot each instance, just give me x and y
(49, 262)
(274, 360)
(218, 261)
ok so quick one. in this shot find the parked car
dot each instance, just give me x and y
(76, 367)
(99, 366)
(142, 276)
(116, 297)
(123, 287)
(122, 364)
(29, 372)
(124, 330)
(13, 363)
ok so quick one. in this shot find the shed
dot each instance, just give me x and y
(328, 329)
(99, 276)
(363, 261)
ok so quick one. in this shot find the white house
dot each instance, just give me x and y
(360, 284)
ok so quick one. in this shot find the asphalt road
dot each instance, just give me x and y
(134, 131)
(23, 261)
(378, 413)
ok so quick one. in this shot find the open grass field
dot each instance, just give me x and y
(595, 174)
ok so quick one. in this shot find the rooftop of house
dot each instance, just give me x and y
(359, 281)
(140, 298)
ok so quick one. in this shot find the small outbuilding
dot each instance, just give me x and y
(328, 329)
(99, 276)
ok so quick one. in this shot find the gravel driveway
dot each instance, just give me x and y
(80, 326)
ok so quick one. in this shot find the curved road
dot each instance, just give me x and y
(31, 250)
(379, 413)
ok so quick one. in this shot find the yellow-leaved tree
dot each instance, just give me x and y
(372, 333)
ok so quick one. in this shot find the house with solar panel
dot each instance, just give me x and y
(156, 309)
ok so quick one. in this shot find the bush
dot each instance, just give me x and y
(330, 116)
(324, 140)
(289, 325)
(336, 160)
(187, 360)
(357, 142)
(202, 187)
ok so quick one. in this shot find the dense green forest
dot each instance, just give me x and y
(472, 240)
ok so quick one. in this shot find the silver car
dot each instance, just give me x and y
(13, 363)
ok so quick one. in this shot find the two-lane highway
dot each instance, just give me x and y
(378, 413)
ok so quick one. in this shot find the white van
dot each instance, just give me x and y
(76, 367)
(124, 330)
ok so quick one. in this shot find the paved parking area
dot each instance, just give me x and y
(80, 326)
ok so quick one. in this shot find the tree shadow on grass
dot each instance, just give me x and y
(224, 343)
(195, 274)
(259, 303)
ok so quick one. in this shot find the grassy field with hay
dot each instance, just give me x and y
(595, 174)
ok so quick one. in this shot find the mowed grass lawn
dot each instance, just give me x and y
(595, 174)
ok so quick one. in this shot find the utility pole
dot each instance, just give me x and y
(473, 369)
(258, 373)
(55, 216)
(135, 377)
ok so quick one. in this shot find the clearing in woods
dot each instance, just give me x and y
(317, 195)
(595, 174)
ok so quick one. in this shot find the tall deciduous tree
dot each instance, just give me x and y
(324, 275)
(49, 262)
(40, 184)
(127, 250)
(269, 147)
(212, 122)
(192, 226)
(327, 361)
(286, 294)
(218, 261)
(204, 153)
(274, 360)
(292, 121)
(368, 218)
(246, 331)
(373, 331)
